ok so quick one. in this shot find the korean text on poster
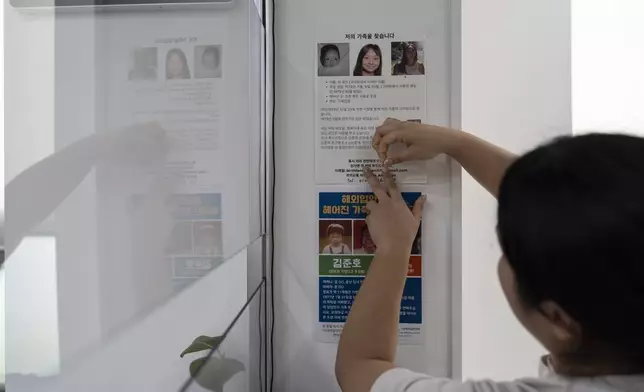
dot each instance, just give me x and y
(363, 78)
(345, 252)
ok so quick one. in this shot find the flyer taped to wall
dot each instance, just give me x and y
(345, 252)
(362, 78)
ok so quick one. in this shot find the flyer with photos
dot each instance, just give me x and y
(174, 75)
(345, 252)
(362, 79)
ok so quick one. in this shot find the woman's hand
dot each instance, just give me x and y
(419, 141)
(140, 145)
(391, 224)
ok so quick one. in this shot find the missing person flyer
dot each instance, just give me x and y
(361, 79)
(345, 252)
(172, 73)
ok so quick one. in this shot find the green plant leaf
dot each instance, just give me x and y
(213, 373)
(202, 343)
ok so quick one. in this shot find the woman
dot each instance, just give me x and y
(176, 65)
(409, 64)
(369, 61)
(570, 226)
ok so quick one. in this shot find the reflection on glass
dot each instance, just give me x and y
(151, 181)
(229, 362)
(153, 353)
(30, 315)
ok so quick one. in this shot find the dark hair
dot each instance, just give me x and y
(364, 229)
(405, 46)
(211, 50)
(185, 73)
(571, 226)
(357, 70)
(335, 228)
(326, 49)
(416, 248)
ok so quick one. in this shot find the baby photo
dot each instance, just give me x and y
(333, 59)
(335, 237)
(208, 238)
(144, 64)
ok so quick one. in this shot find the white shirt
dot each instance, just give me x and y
(336, 250)
(403, 380)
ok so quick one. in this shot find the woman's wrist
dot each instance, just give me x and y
(454, 140)
(398, 250)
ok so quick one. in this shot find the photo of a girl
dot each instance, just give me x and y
(369, 62)
(405, 57)
(176, 65)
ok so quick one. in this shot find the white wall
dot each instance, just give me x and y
(607, 64)
(515, 92)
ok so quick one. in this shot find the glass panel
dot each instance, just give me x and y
(234, 365)
(30, 309)
(145, 356)
(257, 129)
(134, 147)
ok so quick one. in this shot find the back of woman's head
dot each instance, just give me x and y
(571, 225)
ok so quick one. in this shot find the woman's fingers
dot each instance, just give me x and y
(375, 144)
(417, 210)
(370, 206)
(376, 186)
(385, 141)
(390, 183)
(387, 127)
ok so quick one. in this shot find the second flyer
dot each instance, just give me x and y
(345, 252)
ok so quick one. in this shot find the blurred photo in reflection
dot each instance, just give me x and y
(176, 65)
(208, 238)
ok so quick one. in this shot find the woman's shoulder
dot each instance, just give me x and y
(398, 380)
